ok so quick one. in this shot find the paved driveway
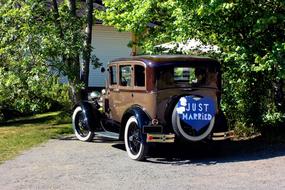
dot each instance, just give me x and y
(70, 164)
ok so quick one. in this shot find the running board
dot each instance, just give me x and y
(107, 134)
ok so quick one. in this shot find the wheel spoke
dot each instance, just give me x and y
(81, 125)
(133, 138)
(137, 148)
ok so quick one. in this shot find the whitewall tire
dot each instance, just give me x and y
(136, 149)
(80, 125)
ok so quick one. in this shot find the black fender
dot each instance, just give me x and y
(92, 115)
(221, 123)
(142, 117)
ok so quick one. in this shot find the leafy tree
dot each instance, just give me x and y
(88, 47)
(35, 90)
(41, 39)
(250, 34)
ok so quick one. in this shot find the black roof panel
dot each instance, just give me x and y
(164, 60)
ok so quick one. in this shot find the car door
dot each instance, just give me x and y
(120, 93)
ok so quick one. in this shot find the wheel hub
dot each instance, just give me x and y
(134, 139)
(82, 125)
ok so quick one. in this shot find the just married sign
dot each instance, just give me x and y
(196, 112)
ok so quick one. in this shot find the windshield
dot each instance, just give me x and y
(186, 76)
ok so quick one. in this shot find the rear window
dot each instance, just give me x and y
(171, 77)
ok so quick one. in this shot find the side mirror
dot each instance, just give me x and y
(103, 69)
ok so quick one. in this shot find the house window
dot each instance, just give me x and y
(139, 75)
(125, 75)
(113, 75)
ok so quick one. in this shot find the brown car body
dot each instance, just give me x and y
(143, 100)
(150, 98)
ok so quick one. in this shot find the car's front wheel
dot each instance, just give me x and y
(136, 149)
(81, 127)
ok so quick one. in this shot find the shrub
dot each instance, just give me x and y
(31, 90)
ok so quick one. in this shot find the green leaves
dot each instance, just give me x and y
(251, 35)
(30, 89)
(32, 48)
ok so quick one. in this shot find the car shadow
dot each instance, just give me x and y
(211, 154)
(203, 153)
(207, 154)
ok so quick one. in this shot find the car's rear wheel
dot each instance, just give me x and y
(136, 149)
(81, 127)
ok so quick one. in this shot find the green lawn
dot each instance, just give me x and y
(21, 134)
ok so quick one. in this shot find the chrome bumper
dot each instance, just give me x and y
(169, 138)
(223, 135)
(160, 138)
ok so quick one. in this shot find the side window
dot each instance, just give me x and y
(113, 75)
(125, 75)
(139, 75)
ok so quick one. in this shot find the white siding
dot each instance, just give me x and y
(108, 44)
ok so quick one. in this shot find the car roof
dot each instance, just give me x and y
(169, 60)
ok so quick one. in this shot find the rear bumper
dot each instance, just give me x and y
(219, 136)
(154, 134)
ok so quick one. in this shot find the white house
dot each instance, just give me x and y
(108, 44)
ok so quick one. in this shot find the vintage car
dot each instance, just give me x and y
(155, 99)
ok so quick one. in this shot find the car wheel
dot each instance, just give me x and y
(135, 147)
(81, 126)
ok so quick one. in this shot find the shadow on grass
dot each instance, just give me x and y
(52, 118)
(19, 122)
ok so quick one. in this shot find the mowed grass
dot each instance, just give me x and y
(24, 133)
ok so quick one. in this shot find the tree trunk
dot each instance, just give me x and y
(56, 15)
(58, 25)
(88, 47)
(72, 7)
(72, 61)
